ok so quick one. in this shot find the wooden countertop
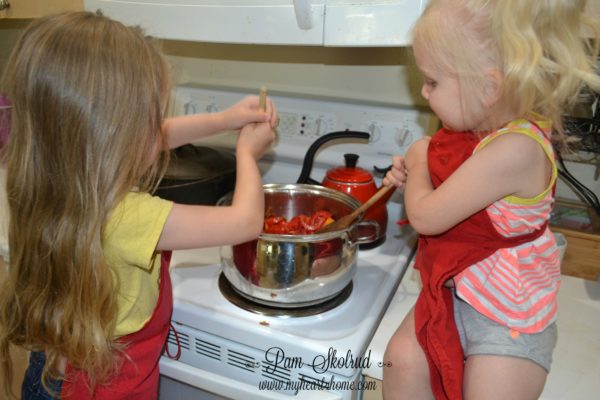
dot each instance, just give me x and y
(582, 255)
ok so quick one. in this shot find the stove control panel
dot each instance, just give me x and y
(303, 119)
(305, 123)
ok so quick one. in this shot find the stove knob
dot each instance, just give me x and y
(212, 108)
(375, 130)
(404, 137)
(190, 108)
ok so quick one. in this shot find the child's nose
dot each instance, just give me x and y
(425, 92)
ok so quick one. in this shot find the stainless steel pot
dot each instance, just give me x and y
(298, 270)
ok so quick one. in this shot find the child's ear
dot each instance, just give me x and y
(492, 90)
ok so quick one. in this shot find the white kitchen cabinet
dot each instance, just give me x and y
(343, 23)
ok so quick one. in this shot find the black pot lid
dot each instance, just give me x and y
(197, 162)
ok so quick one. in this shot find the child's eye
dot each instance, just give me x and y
(430, 82)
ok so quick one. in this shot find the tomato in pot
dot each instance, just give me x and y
(298, 225)
(319, 219)
(275, 225)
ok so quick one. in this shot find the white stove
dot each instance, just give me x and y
(224, 351)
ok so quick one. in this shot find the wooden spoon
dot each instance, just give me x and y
(347, 220)
(262, 98)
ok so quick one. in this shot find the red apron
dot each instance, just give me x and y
(443, 256)
(138, 377)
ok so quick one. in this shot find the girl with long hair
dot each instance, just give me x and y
(88, 291)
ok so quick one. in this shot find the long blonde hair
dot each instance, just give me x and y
(538, 46)
(88, 95)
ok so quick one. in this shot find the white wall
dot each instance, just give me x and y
(375, 74)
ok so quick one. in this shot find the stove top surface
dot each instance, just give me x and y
(199, 303)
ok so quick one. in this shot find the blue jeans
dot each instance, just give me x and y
(32, 388)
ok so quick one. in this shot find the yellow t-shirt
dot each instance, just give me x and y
(131, 235)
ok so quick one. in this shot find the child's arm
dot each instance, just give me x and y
(511, 164)
(184, 129)
(201, 226)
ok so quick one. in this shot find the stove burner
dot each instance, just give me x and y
(239, 300)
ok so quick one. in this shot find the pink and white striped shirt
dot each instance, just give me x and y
(517, 287)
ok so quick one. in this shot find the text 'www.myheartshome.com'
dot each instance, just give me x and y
(323, 384)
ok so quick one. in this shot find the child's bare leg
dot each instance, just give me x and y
(408, 376)
(502, 377)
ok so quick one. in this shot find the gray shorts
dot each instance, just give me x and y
(481, 335)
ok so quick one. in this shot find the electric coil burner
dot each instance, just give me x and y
(228, 350)
(242, 301)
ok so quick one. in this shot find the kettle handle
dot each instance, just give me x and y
(312, 150)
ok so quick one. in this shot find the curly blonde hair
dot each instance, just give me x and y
(538, 46)
(88, 97)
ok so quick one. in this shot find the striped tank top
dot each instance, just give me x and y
(517, 287)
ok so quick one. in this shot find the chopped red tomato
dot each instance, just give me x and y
(319, 219)
(298, 225)
(275, 225)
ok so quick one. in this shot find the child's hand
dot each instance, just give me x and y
(256, 139)
(417, 153)
(397, 174)
(246, 111)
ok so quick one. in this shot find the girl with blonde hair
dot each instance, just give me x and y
(499, 74)
(88, 291)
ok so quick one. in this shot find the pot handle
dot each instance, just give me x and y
(373, 232)
(312, 150)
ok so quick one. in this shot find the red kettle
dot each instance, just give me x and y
(350, 179)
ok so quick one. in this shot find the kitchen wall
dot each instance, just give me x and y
(384, 75)
(373, 74)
